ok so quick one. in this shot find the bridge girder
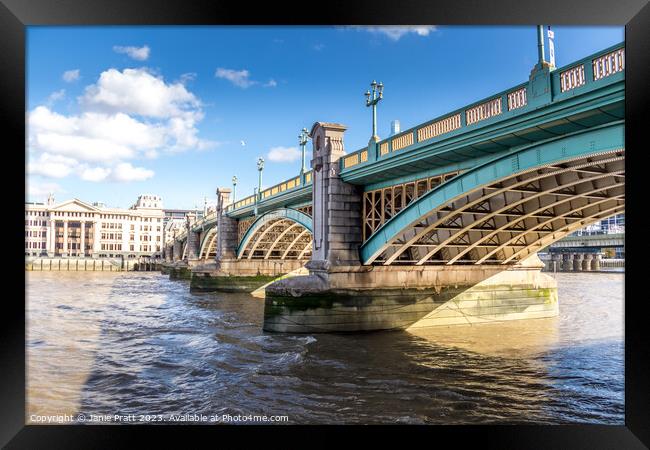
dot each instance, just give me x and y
(281, 234)
(184, 252)
(506, 218)
(208, 244)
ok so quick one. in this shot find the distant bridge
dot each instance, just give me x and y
(596, 241)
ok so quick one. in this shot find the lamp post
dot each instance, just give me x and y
(256, 200)
(302, 140)
(260, 168)
(372, 100)
(540, 45)
(234, 188)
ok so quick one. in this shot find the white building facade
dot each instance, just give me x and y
(78, 229)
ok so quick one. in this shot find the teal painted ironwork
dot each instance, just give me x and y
(542, 90)
(302, 140)
(544, 104)
(371, 101)
(556, 150)
(284, 213)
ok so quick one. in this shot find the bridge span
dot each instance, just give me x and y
(437, 225)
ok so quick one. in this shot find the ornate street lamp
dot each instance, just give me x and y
(260, 168)
(372, 100)
(234, 188)
(302, 140)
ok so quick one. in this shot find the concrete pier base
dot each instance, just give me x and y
(595, 262)
(364, 298)
(239, 275)
(577, 262)
(179, 271)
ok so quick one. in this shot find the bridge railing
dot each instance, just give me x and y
(568, 80)
(573, 79)
(288, 185)
(207, 218)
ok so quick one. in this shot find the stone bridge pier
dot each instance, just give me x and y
(228, 273)
(575, 261)
(186, 251)
(340, 294)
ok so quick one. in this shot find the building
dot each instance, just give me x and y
(614, 224)
(175, 219)
(80, 229)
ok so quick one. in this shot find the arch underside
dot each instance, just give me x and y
(209, 244)
(279, 238)
(507, 220)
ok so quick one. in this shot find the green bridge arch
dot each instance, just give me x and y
(289, 234)
(447, 224)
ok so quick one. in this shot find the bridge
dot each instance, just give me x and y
(583, 253)
(590, 241)
(439, 224)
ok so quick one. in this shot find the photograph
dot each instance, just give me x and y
(276, 227)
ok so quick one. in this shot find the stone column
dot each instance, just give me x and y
(83, 239)
(227, 232)
(178, 250)
(577, 262)
(192, 239)
(556, 260)
(595, 262)
(51, 237)
(65, 238)
(96, 237)
(567, 262)
(336, 204)
(586, 262)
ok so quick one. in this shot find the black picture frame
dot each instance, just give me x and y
(15, 15)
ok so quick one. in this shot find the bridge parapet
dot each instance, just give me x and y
(544, 87)
(286, 190)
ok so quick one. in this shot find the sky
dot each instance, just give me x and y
(115, 112)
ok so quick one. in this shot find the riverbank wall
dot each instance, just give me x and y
(90, 265)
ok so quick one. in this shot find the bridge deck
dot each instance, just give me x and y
(583, 94)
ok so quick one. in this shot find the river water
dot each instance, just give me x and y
(138, 344)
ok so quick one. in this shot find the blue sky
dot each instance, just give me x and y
(113, 112)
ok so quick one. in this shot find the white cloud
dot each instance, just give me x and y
(126, 172)
(187, 77)
(318, 47)
(396, 32)
(95, 174)
(53, 166)
(83, 148)
(70, 75)
(124, 116)
(239, 78)
(37, 189)
(55, 97)
(137, 53)
(271, 83)
(137, 91)
(284, 154)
